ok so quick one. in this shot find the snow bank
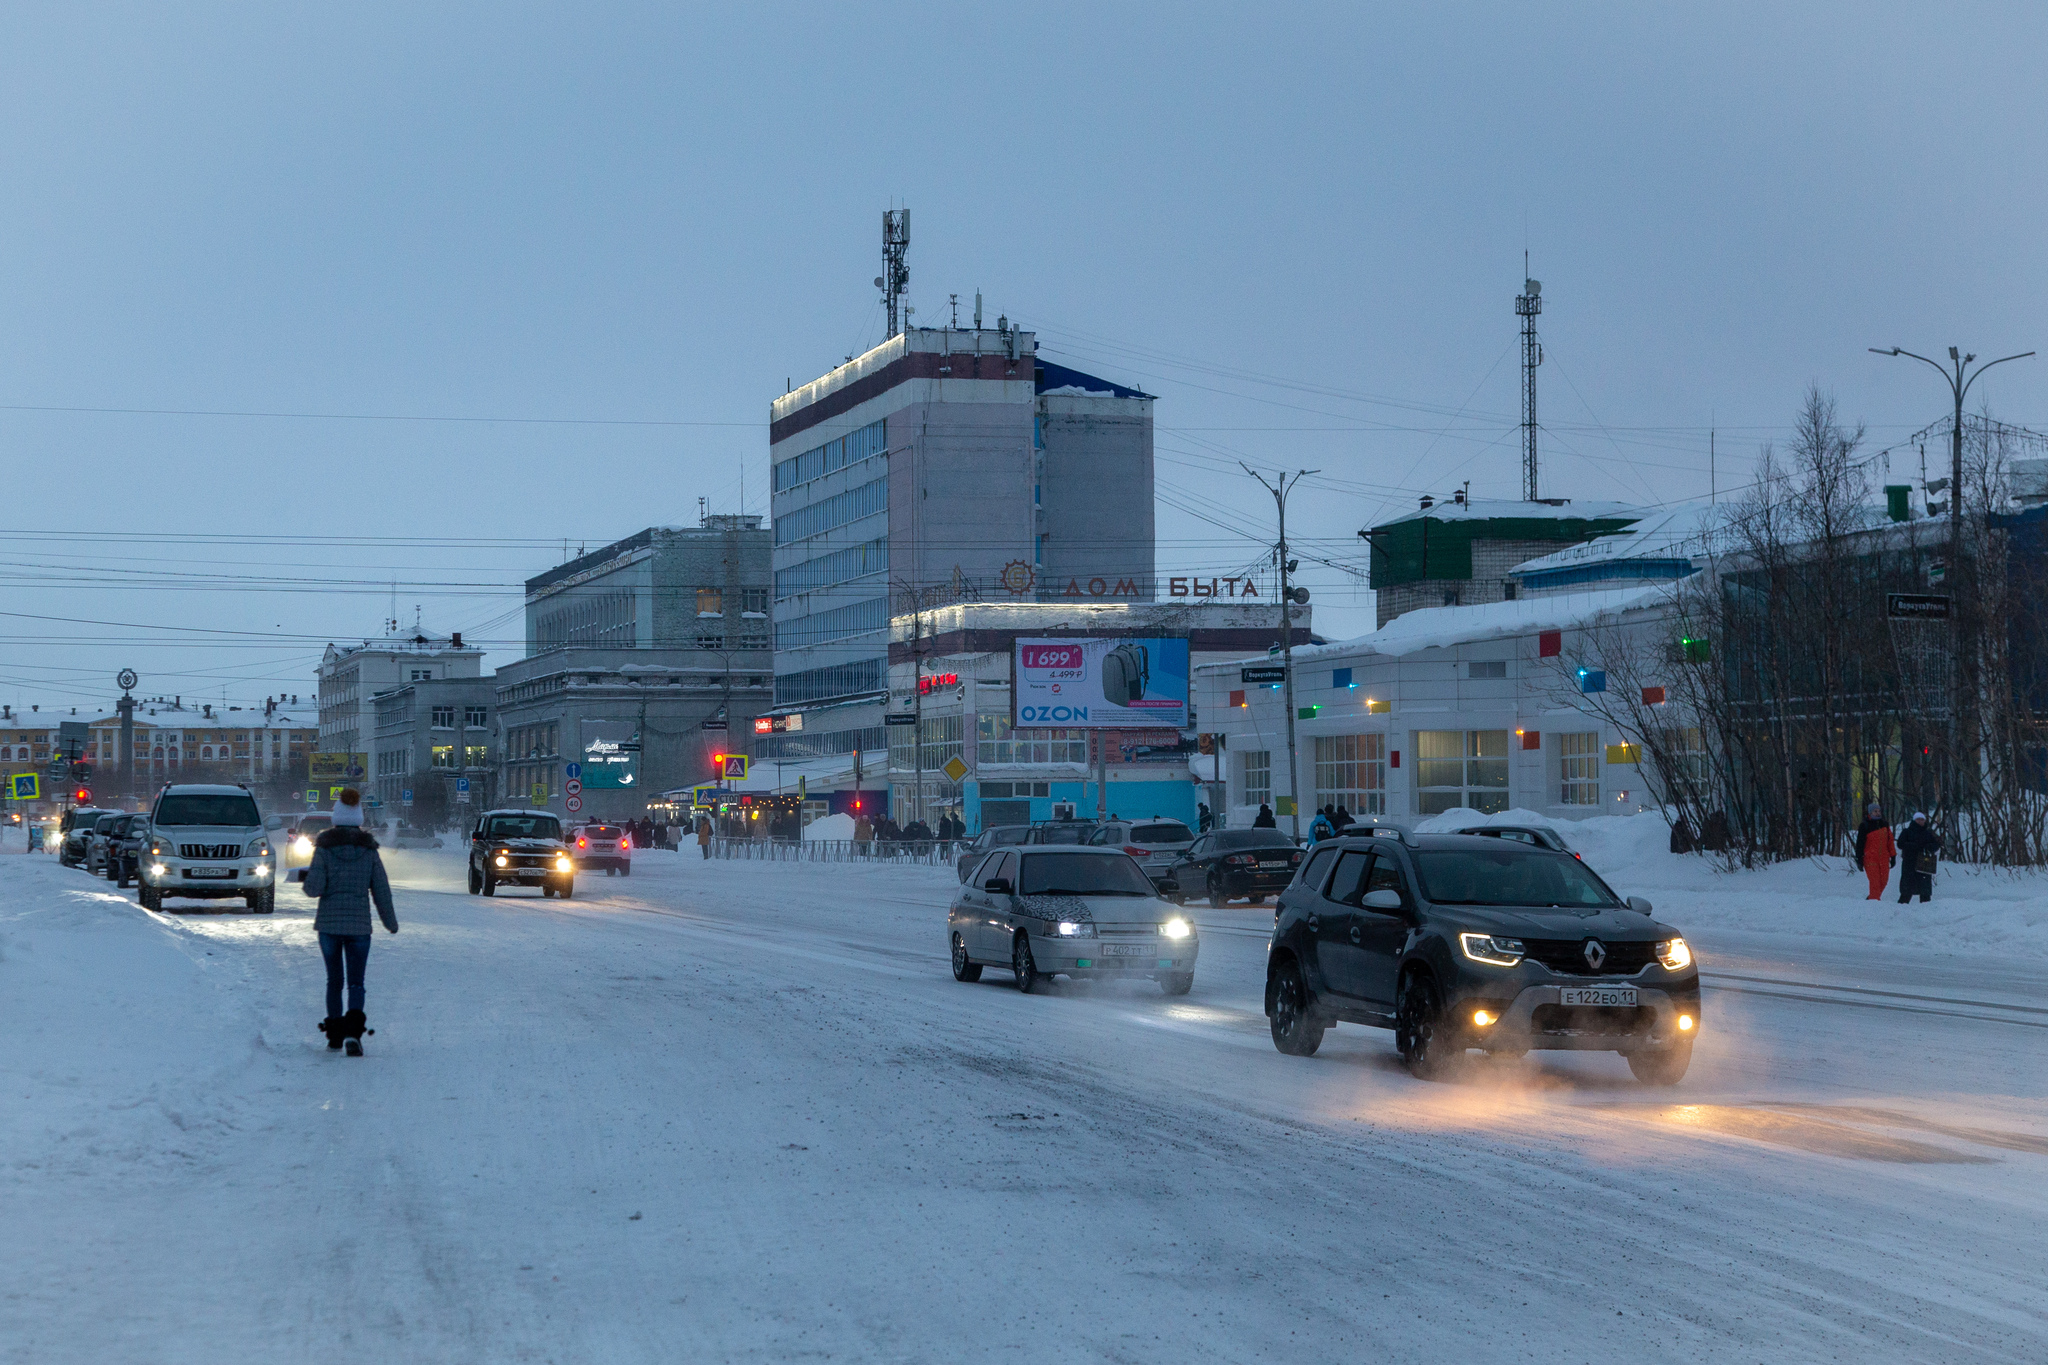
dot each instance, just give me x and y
(830, 827)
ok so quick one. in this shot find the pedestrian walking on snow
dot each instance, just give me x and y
(1264, 819)
(1322, 827)
(704, 835)
(347, 875)
(1920, 846)
(1876, 850)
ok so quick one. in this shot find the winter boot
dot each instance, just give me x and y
(353, 1028)
(331, 1026)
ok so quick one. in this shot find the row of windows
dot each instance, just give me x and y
(444, 756)
(711, 601)
(603, 619)
(1453, 769)
(837, 510)
(472, 716)
(833, 680)
(836, 624)
(996, 742)
(532, 741)
(855, 561)
(831, 456)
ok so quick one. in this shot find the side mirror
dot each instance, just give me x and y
(1639, 905)
(1382, 899)
(997, 886)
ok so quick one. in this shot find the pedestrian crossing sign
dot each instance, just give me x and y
(25, 787)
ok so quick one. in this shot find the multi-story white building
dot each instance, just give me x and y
(351, 676)
(204, 742)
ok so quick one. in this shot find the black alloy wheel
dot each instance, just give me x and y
(963, 970)
(1421, 1033)
(1022, 963)
(1296, 1031)
(1664, 1067)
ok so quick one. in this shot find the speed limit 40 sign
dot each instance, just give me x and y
(574, 803)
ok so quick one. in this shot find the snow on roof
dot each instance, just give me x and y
(1487, 509)
(1674, 533)
(1439, 627)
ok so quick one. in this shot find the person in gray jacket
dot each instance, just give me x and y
(346, 876)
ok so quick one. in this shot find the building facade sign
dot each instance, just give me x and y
(1115, 684)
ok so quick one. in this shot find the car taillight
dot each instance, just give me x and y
(1295, 856)
(1137, 852)
(583, 843)
(625, 843)
(1241, 860)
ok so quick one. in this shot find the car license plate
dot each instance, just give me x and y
(1597, 995)
(1273, 865)
(1128, 950)
(209, 872)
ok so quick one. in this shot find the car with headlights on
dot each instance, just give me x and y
(207, 842)
(74, 828)
(602, 847)
(1232, 864)
(1461, 942)
(1044, 911)
(299, 839)
(520, 848)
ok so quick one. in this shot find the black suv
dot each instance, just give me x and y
(1457, 942)
(520, 848)
(1228, 863)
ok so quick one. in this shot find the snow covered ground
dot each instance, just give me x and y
(741, 1111)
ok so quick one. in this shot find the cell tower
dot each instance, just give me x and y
(895, 276)
(1527, 305)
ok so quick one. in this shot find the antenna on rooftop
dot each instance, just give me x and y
(895, 276)
(1527, 305)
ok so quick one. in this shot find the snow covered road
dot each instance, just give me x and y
(741, 1111)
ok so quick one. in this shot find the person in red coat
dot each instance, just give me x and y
(1875, 849)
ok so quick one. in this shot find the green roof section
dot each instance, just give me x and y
(1437, 543)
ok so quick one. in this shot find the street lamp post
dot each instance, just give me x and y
(1959, 377)
(1279, 488)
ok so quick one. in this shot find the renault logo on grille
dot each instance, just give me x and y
(1596, 954)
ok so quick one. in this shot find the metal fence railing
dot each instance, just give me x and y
(906, 852)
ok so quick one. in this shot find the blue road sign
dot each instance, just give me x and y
(406, 796)
(572, 770)
(462, 784)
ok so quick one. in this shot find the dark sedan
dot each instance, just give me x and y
(1232, 864)
(978, 847)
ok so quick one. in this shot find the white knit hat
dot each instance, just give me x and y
(345, 813)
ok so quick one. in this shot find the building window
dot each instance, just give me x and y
(1461, 768)
(868, 500)
(1687, 748)
(1578, 763)
(1258, 777)
(444, 756)
(421, 675)
(997, 743)
(1486, 668)
(473, 716)
(830, 457)
(710, 602)
(857, 618)
(755, 599)
(1351, 771)
(444, 718)
(473, 755)
(939, 741)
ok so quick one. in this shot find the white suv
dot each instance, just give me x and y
(208, 843)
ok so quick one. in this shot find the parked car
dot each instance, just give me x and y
(1226, 864)
(1062, 832)
(520, 848)
(1458, 942)
(1081, 912)
(978, 847)
(609, 847)
(126, 850)
(99, 841)
(1541, 836)
(72, 829)
(1156, 843)
(207, 842)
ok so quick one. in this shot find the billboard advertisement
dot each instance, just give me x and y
(1113, 684)
(610, 754)
(337, 767)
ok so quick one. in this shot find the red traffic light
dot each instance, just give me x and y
(82, 794)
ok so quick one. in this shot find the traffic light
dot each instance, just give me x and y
(83, 796)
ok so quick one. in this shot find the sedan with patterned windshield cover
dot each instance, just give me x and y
(1042, 911)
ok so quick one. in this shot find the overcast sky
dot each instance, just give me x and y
(616, 231)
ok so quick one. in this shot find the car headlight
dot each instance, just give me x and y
(1674, 954)
(1176, 928)
(262, 871)
(562, 863)
(302, 845)
(157, 869)
(258, 848)
(1491, 949)
(1068, 928)
(501, 860)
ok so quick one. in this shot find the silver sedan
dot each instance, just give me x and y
(1045, 911)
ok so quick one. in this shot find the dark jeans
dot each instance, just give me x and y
(352, 951)
(1913, 884)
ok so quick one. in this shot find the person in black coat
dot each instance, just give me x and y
(1265, 818)
(1919, 846)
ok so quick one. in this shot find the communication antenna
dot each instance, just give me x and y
(1527, 305)
(895, 276)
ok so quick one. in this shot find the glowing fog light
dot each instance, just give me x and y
(157, 869)
(1175, 928)
(1483, 1017)
(1685, 1023)
(501, 860)
(1674, 954)
(262, 872)
(562, 863)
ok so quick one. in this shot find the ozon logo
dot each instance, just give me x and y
(1053, 656)
(1050, 714)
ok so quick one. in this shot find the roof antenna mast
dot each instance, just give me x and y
(1527, 305)
(895, 276)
